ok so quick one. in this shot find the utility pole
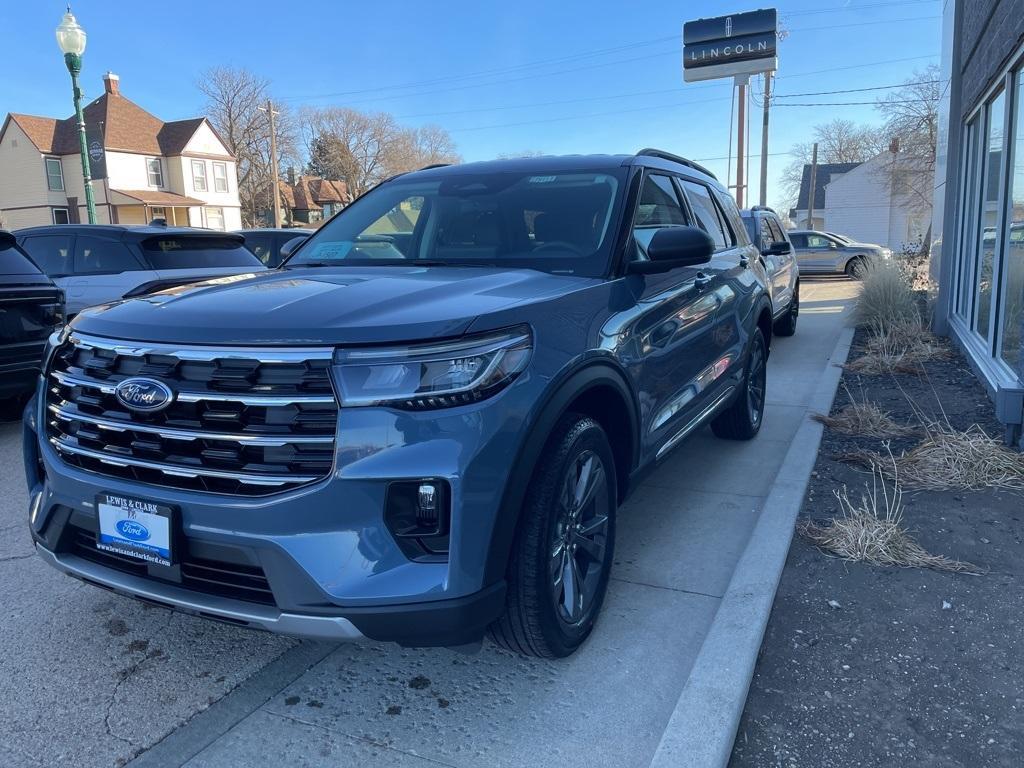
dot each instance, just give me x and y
(810, 192)
(275, 176)
(764, 138)
(741, 83)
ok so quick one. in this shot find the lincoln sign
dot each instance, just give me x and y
(726, 46)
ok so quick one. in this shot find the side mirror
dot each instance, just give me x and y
(674, 247)
(778, 248)
(292, 246)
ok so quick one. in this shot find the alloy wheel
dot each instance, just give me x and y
(756, 381)
(580, 538)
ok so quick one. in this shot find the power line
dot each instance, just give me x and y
(848, 103)
(855, 90)
(841, 8)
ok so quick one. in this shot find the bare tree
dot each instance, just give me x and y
(233, 100)
(912, 127)
(839, 141)
(362, 148)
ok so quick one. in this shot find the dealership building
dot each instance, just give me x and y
(978, 224)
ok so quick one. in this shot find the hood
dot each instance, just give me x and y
(325, 305)
(864, 246)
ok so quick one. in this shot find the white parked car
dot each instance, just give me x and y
(99, 263)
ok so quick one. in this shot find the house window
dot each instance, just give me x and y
(220, 177)
(158, 212)
(1012, 336)
(155, 172)
(54, 174)
(199, 175)
(60, 216)
(215, 218)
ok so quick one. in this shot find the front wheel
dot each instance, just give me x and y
(742, 420)
(559, 569)
(857, 269)
(786, 325)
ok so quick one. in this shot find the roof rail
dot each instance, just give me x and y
(434, 165)
(651, 152)
(763, 208)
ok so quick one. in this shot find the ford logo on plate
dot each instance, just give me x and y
(132, 529)
(141, 394)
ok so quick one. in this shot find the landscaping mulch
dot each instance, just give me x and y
(864, 665)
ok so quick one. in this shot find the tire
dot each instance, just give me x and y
(742, 419)
(544, 614)
(786, 325)
(857, 268)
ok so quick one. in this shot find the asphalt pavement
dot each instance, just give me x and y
(95, 679)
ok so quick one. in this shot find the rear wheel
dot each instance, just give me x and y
(786, 325)
(742, 420)
(559, 570)
(857, 269)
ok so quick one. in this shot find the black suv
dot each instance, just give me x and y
(421, 425)
(31, 306)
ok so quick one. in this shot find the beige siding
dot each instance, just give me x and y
(128, 171)
(131, 214)
(22, 174)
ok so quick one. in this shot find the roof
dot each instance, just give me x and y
(126, 127)
(156, 197)
(139, 231)
(822, 177)
(309, 193)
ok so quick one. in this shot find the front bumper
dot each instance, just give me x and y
(334, 569)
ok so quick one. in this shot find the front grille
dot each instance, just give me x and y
(247, 421)
(212, 577)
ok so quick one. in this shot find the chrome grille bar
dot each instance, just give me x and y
(107, 388)
(187, 434)
(179, 470)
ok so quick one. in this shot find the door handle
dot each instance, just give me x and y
(702, 281)
(744, 261)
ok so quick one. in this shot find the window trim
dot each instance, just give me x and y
(224, 167)
(206, 217)
(53, 215)
(195, 177)
(159, 169)
(46, 168)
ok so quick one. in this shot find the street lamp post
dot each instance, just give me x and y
(71, 39)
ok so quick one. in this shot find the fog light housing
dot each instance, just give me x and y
(418, 514)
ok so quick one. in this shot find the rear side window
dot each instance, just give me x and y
(14, 262)
(94, 256)
(777, 234)
(52, 253)
(707, 213)
(799, 241)
(261, 246)
(197, 252)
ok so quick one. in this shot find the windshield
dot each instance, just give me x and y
(191, 252)
(554, 222)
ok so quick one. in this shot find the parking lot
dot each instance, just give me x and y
(98, 680)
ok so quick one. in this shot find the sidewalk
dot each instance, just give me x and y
(680, 537)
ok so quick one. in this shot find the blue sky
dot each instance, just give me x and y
(558, 77)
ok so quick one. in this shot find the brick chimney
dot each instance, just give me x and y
(894, 145)
(111, 83)
(291, 174)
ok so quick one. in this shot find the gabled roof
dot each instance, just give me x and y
(127, 127)
(823, 176)
(309, 193)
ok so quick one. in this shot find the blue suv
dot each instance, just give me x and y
(419, 428)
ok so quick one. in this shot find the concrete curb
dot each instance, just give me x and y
(703, 726)
(191, 738)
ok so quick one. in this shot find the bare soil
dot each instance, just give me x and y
(880, 666)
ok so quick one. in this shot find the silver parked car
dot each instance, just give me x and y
(822, 253)
(99, 263)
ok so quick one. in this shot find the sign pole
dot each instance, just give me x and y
(741, 144)
(764, 138)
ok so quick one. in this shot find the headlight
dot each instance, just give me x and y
(435, 375)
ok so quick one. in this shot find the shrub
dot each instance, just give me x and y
(886, 299)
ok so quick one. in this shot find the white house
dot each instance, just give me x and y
(868, 201)
(142, 168)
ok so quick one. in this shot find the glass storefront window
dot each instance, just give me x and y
(1012, 348)
(992, 158)
(966, 236)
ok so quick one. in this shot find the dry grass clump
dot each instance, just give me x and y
(886, 299)
(864, 419)
(899, 347)
(872, 531)
(950, 459)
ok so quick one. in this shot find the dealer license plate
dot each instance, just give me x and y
(134, 527)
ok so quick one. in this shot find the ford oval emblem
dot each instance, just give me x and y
(132, 529)
(142, 394)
